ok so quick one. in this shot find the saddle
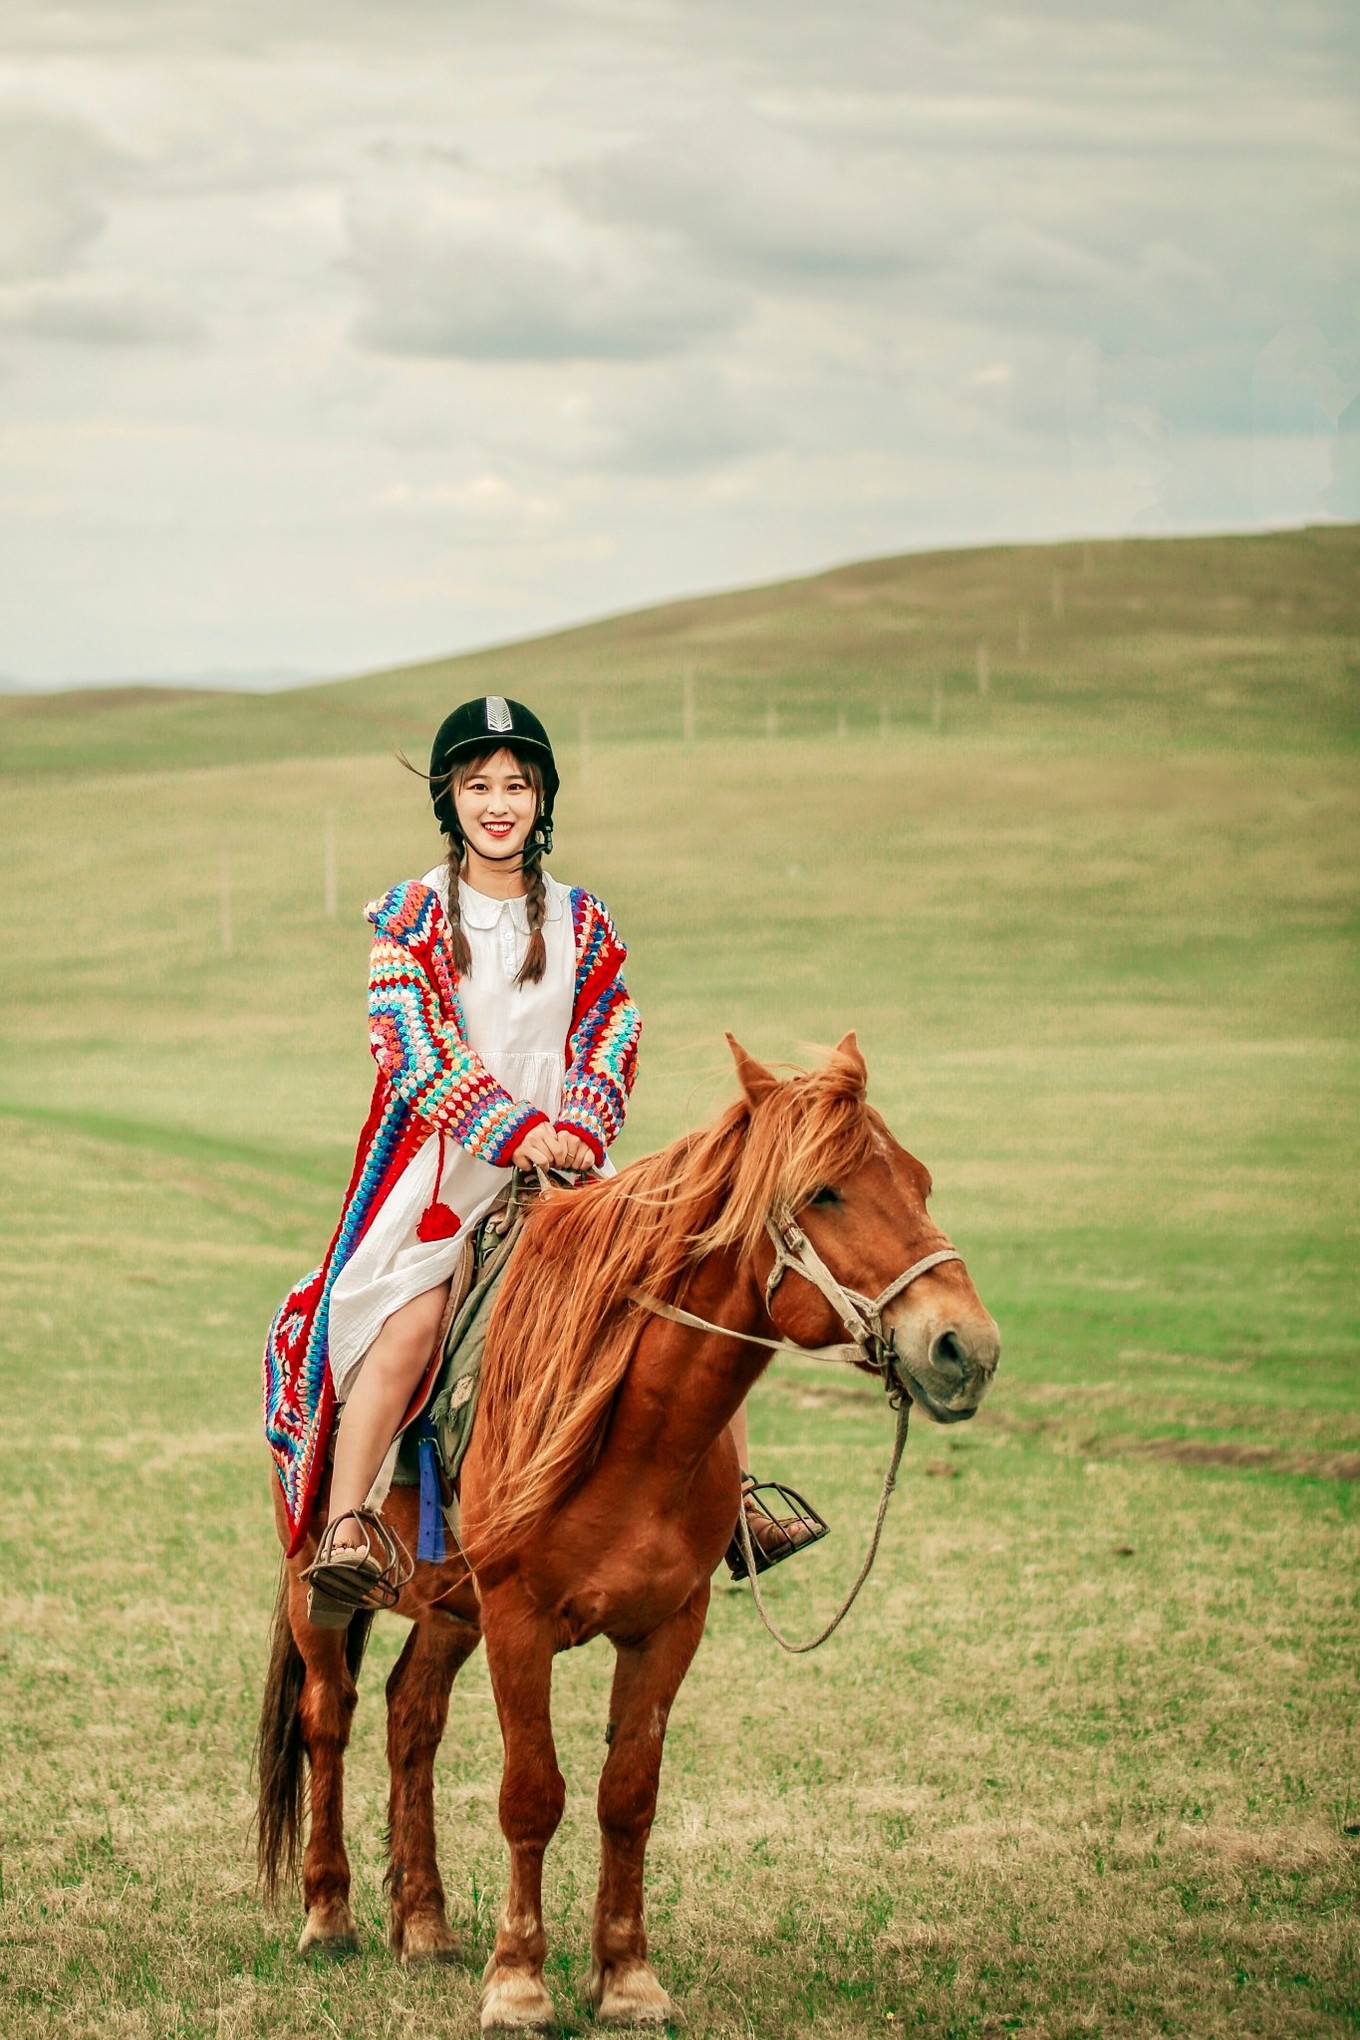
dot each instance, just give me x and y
(437, 1428)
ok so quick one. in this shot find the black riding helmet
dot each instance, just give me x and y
(491, 723)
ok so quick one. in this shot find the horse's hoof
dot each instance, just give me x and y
(423, 1938)
(629, 1997)
(329, 1930)
(515, 2003)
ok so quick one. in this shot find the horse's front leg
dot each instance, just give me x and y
(622, 1988)
(519, 1656)
(325, 1712)
(417, 1709)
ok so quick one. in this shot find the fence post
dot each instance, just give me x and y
(332, 867)
(228, 932)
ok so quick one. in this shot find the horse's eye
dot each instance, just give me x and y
(826, 1195)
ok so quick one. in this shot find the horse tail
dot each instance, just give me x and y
(280, 1752)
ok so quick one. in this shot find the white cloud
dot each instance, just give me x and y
(54, 170)
(751, 195)
(101, 312)
(679, 417)
(454, 262)
(483, 498)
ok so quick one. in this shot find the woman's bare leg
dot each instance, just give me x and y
(740, 1439)
(391, 1370)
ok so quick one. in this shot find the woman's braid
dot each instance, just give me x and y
(535, 905)
(462, 950)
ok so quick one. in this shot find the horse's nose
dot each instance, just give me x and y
(965, 1353)
(947, 1355)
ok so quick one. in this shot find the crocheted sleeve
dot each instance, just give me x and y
(606, 1026)
(411, 994)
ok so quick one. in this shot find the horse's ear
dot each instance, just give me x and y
(755, 1080)
(847, 1054)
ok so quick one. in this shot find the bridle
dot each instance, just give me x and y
(869, 1345)
(861, 1315)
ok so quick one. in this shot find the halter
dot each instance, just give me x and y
(862, 1316)
(868, 1345)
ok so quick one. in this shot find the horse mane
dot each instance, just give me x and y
(563, 1331)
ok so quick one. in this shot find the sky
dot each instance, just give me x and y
(338, 333)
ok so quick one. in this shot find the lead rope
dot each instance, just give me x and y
(889, 1483)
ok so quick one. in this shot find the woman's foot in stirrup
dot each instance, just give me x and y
(360, 1563)
(773, 1537)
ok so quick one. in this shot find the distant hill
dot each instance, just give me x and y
(230, 681)
(1134, 643)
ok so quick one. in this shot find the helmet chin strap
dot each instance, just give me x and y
(487, 858)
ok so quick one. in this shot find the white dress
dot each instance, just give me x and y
(520, 1032)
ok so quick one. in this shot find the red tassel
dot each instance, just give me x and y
(438, 1222)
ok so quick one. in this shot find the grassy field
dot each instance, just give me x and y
(1084, 1760)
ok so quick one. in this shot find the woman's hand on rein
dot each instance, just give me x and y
(538, 1149)
(547, 1147)
(572, 1153)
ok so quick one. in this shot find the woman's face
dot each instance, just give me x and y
(497, 805)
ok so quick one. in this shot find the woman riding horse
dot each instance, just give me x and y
(600, 1490)
(505, 1039)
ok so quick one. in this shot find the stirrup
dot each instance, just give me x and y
(367, 1575)
(772, 1539)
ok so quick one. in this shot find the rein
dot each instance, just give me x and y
(868, 1346)
(903, 1407)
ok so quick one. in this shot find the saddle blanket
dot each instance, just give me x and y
(433, 1444)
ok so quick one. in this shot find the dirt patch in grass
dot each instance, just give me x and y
(1251, 1458)
(1247, 1456)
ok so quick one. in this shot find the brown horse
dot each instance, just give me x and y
(599, 1494)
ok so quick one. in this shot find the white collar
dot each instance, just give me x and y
(480, 910)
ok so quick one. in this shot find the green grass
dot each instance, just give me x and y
(1084, 1758)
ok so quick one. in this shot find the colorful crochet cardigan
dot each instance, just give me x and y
(430, 1080)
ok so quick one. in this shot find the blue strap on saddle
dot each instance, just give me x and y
(431, 1545)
